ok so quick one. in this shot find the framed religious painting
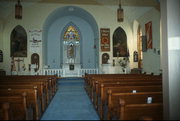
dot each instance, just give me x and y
(35, 60)
(105, 58)
(148, 30)
(105, 39)
(1, 56)
(135, 56)
(120, 48)
(18, 42)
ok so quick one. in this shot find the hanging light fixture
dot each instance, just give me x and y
(18, 10)
(120, 13)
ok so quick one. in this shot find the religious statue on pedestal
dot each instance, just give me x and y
(70, 51)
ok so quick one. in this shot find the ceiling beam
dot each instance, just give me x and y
(138, 3)
(133, 3)
(80, 2)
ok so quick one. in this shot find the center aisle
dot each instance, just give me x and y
(70, 102)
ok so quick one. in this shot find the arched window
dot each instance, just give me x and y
(71, 34)
(18, 42)
(120, 43)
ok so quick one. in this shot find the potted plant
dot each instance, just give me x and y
(124, 63)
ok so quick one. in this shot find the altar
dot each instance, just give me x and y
(71, 70)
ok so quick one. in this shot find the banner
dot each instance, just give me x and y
(105, 39)
(148, 27)
(35, 40)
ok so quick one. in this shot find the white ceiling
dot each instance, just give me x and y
(133, 8)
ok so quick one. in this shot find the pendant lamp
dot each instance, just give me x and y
(18, 10)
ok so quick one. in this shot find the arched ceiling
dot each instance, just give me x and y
(71, 11)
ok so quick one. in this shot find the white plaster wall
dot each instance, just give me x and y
(35, 15)
(151, 59)
(109, 20)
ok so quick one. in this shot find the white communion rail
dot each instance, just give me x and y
(62, 72)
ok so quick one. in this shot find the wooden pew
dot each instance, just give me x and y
(46, 87)
(98, 78)
(152, 111)
(16, 108)
(130, 98)
(33, 101)
(129, 82)
(103, 97)
(4, 111)
(90, 77)
(93, 83)
(41, 91)
(98, 81)
(51, 80)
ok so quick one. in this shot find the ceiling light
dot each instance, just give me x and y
(120, 13)
(18, 10)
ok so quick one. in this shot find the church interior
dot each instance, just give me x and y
(102, 50)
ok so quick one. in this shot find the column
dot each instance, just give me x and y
(170, 59)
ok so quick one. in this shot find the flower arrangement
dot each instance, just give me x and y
(124, 62)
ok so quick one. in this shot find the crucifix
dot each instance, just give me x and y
(18, 61)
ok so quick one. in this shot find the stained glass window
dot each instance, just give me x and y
(71, 34)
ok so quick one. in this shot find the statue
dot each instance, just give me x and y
(71, 51)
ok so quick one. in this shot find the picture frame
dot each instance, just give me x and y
(1, 56)
(135, 56)
(105, 58)
(18, 42)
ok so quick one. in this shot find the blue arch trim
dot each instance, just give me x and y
(70, 11)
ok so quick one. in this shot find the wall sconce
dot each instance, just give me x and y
(18, 10)
(120, 13)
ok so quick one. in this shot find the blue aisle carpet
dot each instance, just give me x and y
(70, 102)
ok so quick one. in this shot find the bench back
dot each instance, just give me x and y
(15, 102)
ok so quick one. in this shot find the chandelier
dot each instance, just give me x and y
(18, 10)
(120, 13)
